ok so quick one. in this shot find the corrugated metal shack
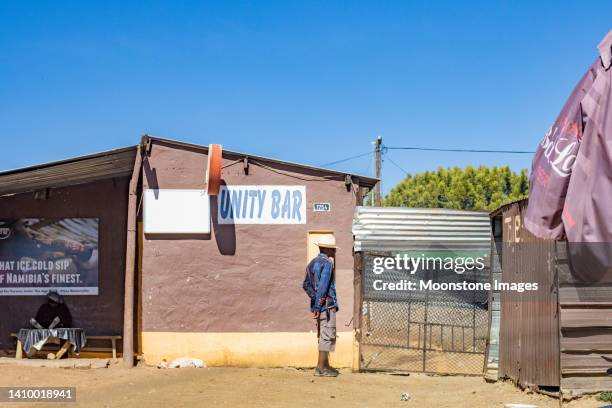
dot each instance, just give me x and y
(420, 330)
(561, 335)
(528, 343)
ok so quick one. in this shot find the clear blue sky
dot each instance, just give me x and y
(310, 82)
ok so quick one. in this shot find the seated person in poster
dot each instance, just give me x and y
(53, 314)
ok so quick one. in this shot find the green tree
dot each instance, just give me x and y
(481, 188)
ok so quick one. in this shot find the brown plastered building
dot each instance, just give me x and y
(231, 297)
(93, 186)
(235, 297)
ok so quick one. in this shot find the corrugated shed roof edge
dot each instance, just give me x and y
(403, 228)
(501, 208)
(68, 160)
(69, 172)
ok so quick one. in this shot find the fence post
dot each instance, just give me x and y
(357, 300)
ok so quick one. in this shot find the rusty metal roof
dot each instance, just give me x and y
(505, 206)
(76, 170)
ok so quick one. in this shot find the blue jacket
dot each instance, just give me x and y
(319, 284)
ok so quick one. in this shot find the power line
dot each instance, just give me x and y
(433, 149)
(430, 149)
(395, 164)
(343, 160)
(284, 173)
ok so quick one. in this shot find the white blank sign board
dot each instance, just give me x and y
(169, 211)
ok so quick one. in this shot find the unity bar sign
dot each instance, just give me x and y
(38, 255)
(262, 205)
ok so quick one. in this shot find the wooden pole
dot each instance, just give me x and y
(378, 201)
(130, 258)
(357, 308)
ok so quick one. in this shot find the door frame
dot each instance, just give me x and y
(316, 231)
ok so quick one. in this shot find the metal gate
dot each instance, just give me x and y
(422, 330)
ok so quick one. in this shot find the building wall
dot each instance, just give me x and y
(529, 326)
(235, 297)
(106, 200)
(562, 336)
(585, 310)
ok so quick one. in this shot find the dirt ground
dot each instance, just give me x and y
(250, 387)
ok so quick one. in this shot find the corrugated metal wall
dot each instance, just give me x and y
(441, 331)
(529, 332)
(586, 327)
(561, 336)
(393, 228)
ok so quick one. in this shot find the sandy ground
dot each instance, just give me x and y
(250, 387)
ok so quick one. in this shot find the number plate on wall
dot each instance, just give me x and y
(322, 207)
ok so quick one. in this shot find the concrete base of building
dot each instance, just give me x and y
(245, 349)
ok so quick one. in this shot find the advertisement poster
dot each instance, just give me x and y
(38, 255)
(262, 205)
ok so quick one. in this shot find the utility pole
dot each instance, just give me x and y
(371, 193)
(378, 144)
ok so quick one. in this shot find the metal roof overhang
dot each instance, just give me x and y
(77, 170)
(499, 210)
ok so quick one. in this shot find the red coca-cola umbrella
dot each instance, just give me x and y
(570, 187)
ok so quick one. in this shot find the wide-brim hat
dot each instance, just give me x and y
(327, 241)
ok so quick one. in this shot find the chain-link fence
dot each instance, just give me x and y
(423, 329)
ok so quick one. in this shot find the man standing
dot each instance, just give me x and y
(320, 286)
